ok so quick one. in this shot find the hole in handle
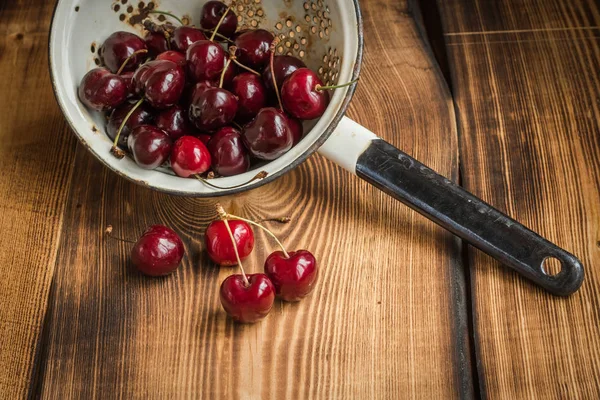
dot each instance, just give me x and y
(552, 266)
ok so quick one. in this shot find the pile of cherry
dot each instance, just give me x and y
(230, 240)
(208, 101)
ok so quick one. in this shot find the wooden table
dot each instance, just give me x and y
(510, 108)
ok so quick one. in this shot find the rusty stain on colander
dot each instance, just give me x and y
(298, 37)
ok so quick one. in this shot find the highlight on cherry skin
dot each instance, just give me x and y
(203, 81)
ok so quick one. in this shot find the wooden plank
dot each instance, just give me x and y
(36, 161)
(382, 322)
(526, 78)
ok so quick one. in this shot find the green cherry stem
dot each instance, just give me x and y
(260, 175)
(235, 217)
(168, 14)
(115, 148)
(212, 38)
(272, 64)
(235, 250)
(142, 51)
(319, 87)
(223, 74)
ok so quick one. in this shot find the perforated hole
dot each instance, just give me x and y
(551, 266)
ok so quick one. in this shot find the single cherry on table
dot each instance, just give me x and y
(158, 251)
(247, 301)
(293, 275)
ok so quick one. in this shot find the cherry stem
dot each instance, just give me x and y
(115, 149)
(223, 74)
(109, 233)
(319, 87)
(260, 175)
(142, 51)
(230, 216)
(235, 250)
(168, 14)
(218, 35)
(281, 220)
(272, 61)
(212, 38)
(237, 125)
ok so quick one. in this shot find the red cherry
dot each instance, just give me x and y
(300, 96)
(184, 36)
(175, 56)
(174, 122)
(294, 277)
(141, 116)
(189, 157)
(212, 12)
(160, 82)
(268, 136)
(206, 61)
(251, 94)
(191, 90)
(297, 129)
(158, 252)
(212, 108)
(118, 47)
(228, 154)
(149, 146)
(253, 48)
(218, 242)
(156, 43)
(101, 90)
(247, 304)
(284, 67)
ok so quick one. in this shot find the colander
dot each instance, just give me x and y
(327, 36)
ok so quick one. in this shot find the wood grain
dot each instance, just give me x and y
(36, 153)
(526, 79)
(382, 322)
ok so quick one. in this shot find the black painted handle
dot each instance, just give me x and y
(468, 217)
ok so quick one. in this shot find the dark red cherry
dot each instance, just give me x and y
(247, 304)
(158, 252)
(156, 43)
(253, 48)
(268, 136)
(184, 36)
(229, 156)
(118, 47)
(128, 78)
(175, 56)
(251, 94)
(284, 67)
(175, 123)
(297, 129)
(206, 61)
(211, 15)
(160, 82)
(191, 90)
(102, 90)
(189, 157)
(300, 97)
(212, 109)
(141, 116)
(218, 242)
(295, 277)
(149, 146)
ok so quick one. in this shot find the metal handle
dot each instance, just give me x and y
(468, 217)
